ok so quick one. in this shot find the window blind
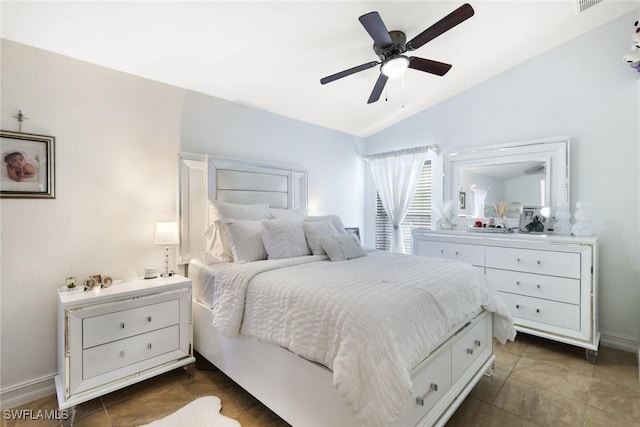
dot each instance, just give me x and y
(418, 215)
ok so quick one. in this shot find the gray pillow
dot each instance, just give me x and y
(283, 238)
(314, 230)
(342, 247)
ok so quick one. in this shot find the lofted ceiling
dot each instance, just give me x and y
(272, 55)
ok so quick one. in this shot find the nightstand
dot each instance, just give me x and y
(109, 338)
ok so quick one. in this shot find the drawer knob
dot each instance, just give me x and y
(469, 351)
(441, 251)
(420, 399)
(539, 262)
(149, 346)
(149, 318)
(538, 286)
(517, 259)
(122, 354)
(477, 343)
(456, 252)
(122, 325)
(537, 310)
(517, 283)
(517, 305)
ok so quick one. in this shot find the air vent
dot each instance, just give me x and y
(586, 4)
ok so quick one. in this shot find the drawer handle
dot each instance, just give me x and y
(469, 351)
(517, 259)
(456, 252)
(122, 354)
(149, 318)
(149, 346)
(518, 307)
(441, 251)
(420, 399)
(517, 283)
(539, 262)
(538, 286)
(477, 343)
(122, 325)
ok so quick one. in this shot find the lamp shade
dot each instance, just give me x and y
(167, 233)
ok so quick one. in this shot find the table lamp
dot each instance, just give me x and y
(167, 234)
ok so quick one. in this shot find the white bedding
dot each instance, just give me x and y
(371, 320)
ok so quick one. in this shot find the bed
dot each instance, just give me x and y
(332, 337)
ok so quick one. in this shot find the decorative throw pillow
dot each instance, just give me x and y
(245, 239)
(342, 247)
(283, 238)
(314, 230)
(335, 219)
(217, 248)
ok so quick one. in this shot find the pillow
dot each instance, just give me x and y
(284, 238)
(314, 230)
(335, 219)
(245, 239)
(295, 214)
(342, 247)
(217, 248)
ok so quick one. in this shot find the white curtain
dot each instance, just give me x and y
(395, 176)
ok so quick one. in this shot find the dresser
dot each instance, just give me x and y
(109, 338)
(549, 283)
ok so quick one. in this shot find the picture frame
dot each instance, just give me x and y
(534, 220)
(28, 165)
(353, 230)
(462, 200)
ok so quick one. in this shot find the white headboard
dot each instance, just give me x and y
(203, 177)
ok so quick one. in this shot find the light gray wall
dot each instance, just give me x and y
(117, 137)
(581, 89)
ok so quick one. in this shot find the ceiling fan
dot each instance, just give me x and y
(390, 47)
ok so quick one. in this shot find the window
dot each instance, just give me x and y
(418, 215)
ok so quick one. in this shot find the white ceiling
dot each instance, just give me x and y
(271, 55)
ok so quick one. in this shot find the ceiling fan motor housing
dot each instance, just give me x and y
(398, 47)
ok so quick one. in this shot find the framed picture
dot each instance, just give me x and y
(27, 165)
(353, 230)
(462, 200)
(534, 220)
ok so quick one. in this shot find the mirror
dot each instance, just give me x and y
(533, 173)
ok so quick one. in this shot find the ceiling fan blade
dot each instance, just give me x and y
(348, 72)
(429, 66)
(456, 17)
(376, 29)
(377, 89)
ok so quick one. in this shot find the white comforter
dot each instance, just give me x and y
(370, 320)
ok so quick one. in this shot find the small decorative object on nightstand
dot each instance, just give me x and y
(167, 234)
(113, 337)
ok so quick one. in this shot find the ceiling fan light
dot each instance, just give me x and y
(395, 66)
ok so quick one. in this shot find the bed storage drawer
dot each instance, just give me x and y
(535, 285)
(565, 264)
(115, 355)
(471, 254)
(430, 383)
(543, 311)
(126, 323)
(470, 346)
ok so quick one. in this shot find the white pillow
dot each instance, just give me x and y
(314, 230)
(295, 214)
(245, 239)
(342, 247)
(217, 248)
(283, 238)
(335, 219)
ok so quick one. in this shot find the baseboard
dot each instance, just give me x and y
(27, 392)
(619, 342)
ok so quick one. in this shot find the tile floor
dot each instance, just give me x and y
(536, 382)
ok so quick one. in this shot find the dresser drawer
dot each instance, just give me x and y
(465, 351)
(117, 354)
(122, 324)
(543, 311)
(535, 285)
(566, 264)
(471, 254)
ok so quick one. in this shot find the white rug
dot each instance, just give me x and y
(202, 412)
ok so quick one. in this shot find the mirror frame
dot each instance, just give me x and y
(554, 152)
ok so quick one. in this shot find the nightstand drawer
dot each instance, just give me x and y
(115, 355)
(127, 323)
(536, 285)
(552, 263)
(543, 311)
